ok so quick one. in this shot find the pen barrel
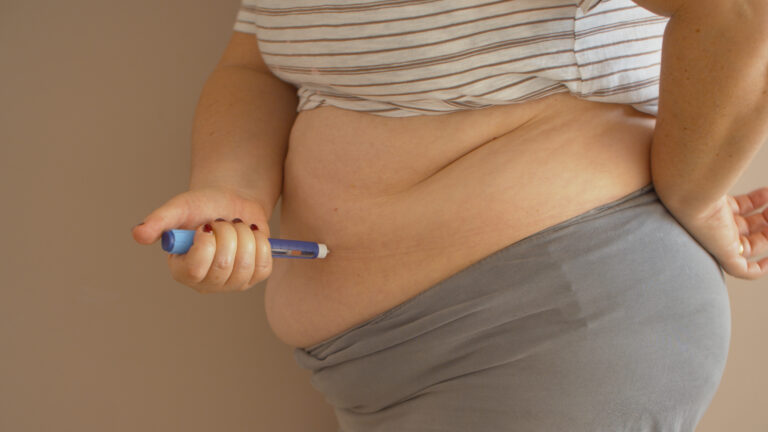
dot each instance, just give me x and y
(296, 249)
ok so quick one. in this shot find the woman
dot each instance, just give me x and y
(508, 250)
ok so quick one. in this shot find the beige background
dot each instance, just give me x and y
(96, 104)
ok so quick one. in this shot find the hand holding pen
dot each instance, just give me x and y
(178, 241)
(221, 254)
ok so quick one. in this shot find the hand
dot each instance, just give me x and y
(731, 234)
(232, 257)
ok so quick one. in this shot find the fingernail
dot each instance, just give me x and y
(207, 228)
(254, 227)
(236, 220)
(138, 224)
(220, 219)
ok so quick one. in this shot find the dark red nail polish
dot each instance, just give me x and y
(219, 219)
(236, 220)
(254, 227)
(207, 228)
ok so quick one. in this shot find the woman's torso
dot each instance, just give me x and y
(403, 203)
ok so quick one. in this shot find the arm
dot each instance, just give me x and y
(713, 101)
(242, 124)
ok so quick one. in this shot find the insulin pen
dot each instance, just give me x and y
(178, 241)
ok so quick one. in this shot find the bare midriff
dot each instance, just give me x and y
(404, 203)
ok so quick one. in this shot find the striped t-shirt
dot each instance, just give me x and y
(400, 58)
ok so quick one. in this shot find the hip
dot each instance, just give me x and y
(620, 301)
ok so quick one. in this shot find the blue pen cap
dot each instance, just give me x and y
(177, 240)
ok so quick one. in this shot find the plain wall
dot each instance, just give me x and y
(96, 107)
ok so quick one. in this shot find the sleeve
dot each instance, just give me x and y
(245, 21)
(588, 5)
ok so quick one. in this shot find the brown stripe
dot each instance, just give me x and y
(618, 43)
(411, 108)
(650, 82)
(557, 88)
(623, 8)
(356, 23)
(356, 7)
(380, 110)
(594, 5)
(624, 88)
(619, 25)
(522, 81)
(536, 94)
(596, 77)
(460, 104)
(498, 89)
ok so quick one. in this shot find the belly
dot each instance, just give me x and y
(404, 203)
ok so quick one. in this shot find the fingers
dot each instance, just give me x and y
(224, 258)
(232, 257)
(192, 267)
(241, 268)
(733, 203)
(263, 261)
(756, 269)
(754, 223)
(751, 201)
(742, 268)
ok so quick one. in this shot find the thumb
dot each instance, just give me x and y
(172, 214)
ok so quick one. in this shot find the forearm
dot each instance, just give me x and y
(240, 133)
(713, 101)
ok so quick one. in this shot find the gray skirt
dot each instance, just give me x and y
(614, 320)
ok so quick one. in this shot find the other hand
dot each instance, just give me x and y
(732, 231)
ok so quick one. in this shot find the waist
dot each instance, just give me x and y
(402, 203)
